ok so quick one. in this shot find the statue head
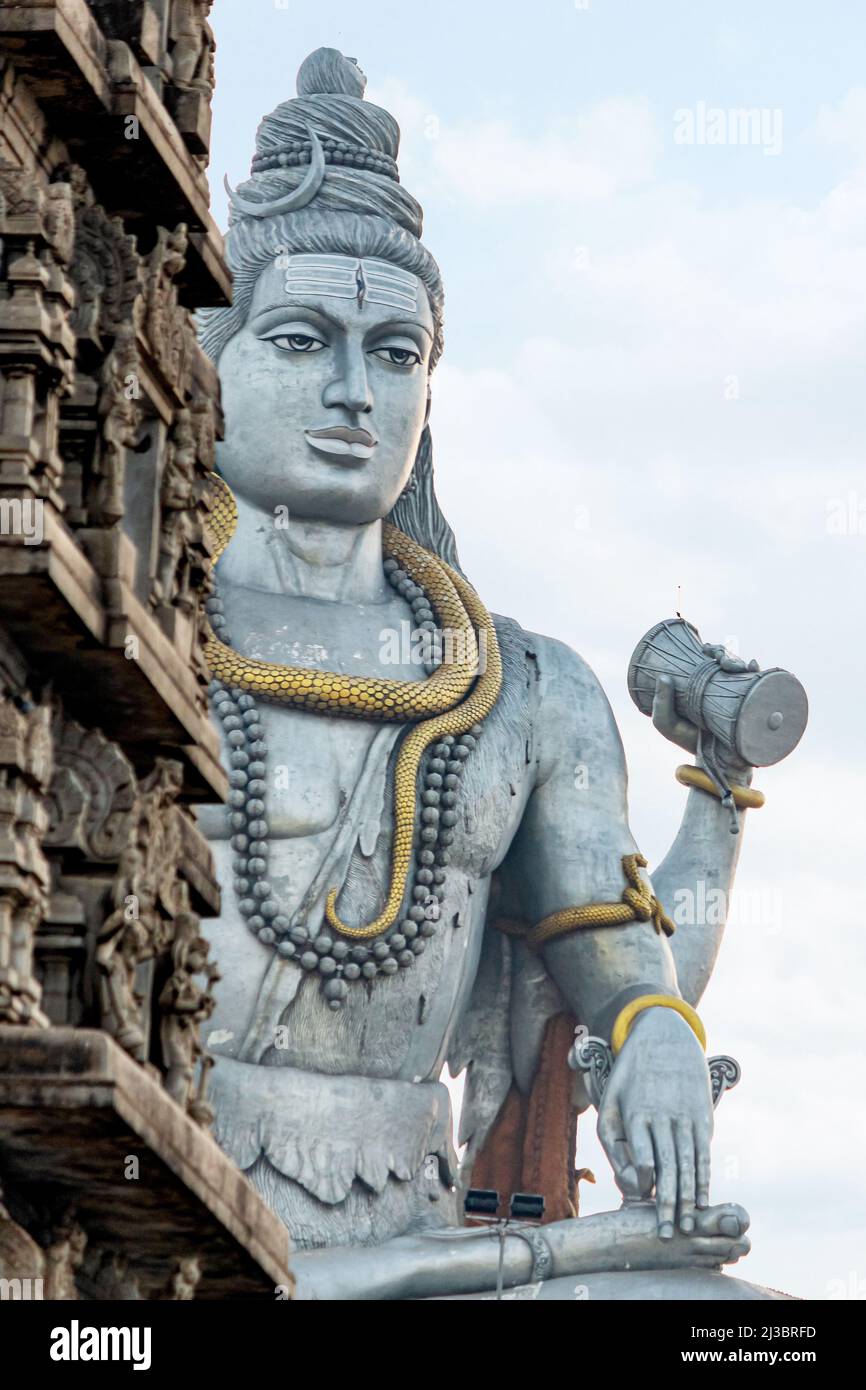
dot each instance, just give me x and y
(326, 353)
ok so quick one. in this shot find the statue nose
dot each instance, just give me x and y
(351, 389)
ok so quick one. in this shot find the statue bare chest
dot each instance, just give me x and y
(314, 762)
(401, 1025)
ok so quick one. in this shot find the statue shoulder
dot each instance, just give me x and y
(562, 673)
(572, 711)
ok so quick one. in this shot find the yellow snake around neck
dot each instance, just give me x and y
(458, 694)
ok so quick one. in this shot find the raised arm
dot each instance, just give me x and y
(696, 876)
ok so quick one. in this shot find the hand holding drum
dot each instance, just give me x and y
(757, 717)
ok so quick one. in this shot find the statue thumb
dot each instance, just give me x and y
(634, 1183)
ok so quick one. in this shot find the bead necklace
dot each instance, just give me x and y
(337, 961)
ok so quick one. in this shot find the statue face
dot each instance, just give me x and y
(325, 388)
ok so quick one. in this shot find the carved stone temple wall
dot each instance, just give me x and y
(110, 1183)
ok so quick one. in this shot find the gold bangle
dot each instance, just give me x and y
(746, 797)
(626, 1017)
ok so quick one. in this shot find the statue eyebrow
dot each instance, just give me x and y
(394, 325)
(297, 304)
(388, 325)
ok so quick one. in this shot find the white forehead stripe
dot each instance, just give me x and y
(346, 278)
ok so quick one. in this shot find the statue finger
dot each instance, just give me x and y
(628, 1180)
(684, 1139)
(611, 1134)
(640, 1147)
(664, 708)
(702, 1166)
(632, 1182)
(667, 720)
(666, 1177)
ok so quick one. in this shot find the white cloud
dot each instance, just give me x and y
(486, 163)
(842, 125)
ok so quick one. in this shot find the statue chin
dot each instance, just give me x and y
(331, 494)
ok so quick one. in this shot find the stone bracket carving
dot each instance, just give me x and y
(107, 270)
(92, 796)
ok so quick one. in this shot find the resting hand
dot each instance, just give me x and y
(656, 1119)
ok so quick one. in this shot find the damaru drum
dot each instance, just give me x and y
(759, 715)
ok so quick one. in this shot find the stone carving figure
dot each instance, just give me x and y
(20, 1256)
(63, 1258)
(119, 412)
(192, 44)
(184, 1005)
(183, 1281)
(398, 827)
(180, 533)
(166, 324)
(125, 939)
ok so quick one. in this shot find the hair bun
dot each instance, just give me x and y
(330, 102)
(328, 73)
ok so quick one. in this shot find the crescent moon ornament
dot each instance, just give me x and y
(298, 198)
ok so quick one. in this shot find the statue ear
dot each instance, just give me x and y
(427, 411)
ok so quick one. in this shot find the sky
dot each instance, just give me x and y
(651, 401)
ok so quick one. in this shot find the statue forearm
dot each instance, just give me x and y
(693, 883)
(599, 970)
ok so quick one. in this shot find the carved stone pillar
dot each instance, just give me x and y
(25, 770)
(36, 341)
(19, 401)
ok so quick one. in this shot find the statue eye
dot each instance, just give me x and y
(398, 356)
(296, 342)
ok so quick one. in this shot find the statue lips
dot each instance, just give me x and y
(343, 442)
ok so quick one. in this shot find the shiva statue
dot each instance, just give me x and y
(409, 876)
